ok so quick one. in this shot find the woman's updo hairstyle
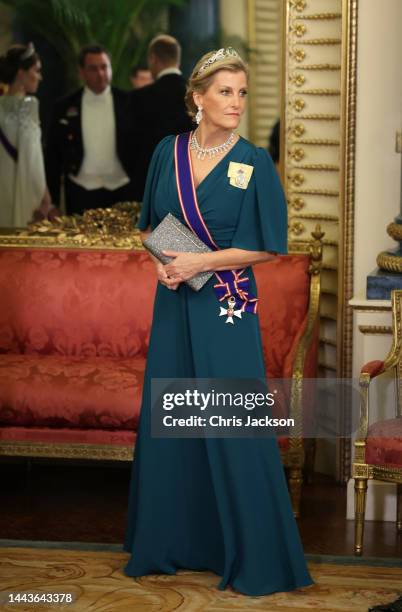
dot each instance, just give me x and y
(205, 70)
(17, 57)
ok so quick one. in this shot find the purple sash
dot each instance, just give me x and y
(11, 150)
(230, 282)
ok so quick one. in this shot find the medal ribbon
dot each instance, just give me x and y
(229, 282)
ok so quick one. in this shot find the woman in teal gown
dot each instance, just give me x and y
(218, 504)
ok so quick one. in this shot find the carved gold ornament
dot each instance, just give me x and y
(298, 5)
(388, 262)
(300, 30)
(297, 179)
(318, 141)
(375, 329)
(297, 154)
(320, 167)
(296, 228)
(329, 193)
(321, 16)
(297, 203)
(321, 41)
(299, 104)
(321, 117)
(319, 217)
(298, 130)
(299, 55)
(298, 79)
(319, 67)
(99, 227)
(395, 231)
(320, 92)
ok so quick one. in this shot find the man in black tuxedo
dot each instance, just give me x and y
(88, 141)
(158, 110)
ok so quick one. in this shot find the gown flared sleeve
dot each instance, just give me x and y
(262, 223)
(158, 161)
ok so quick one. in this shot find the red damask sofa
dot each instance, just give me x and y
(74, 331)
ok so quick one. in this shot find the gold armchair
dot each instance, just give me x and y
(378, 448)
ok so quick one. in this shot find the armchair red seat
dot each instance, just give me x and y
(384, 443)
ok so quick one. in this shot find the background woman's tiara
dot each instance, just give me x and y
(29, 51)
(219, 55)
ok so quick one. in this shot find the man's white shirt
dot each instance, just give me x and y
(100, 165)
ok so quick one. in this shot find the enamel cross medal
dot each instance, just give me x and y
(230, 311)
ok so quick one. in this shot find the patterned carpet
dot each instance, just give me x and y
(97, 582)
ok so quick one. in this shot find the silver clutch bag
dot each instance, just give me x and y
(172, 235)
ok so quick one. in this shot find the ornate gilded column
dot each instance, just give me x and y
(318, 132)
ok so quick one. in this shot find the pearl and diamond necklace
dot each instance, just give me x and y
(211, 151)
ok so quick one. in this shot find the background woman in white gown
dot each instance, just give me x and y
(23, 190)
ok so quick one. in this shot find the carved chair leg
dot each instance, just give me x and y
(310, 449)
(360, 509)
(295, 487)
(399, 508)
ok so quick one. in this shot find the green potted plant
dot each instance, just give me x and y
(124, 27)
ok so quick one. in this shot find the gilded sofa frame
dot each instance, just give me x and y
(66, 234)
(363, 471)
(294, 458)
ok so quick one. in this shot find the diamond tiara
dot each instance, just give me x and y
(219, 55)
(29, 51)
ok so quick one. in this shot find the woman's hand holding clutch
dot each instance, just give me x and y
(160, 268)
(163, 277)
(184, 265)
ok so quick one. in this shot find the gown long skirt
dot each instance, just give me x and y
(218, 504)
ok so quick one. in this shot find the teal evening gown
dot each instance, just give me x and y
(214, 504)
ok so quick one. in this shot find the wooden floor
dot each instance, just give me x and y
(88, 503)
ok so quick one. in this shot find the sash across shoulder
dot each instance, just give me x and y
(231, 284)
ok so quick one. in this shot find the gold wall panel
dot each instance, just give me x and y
(302, 228)
(329, 282)
(319, 103)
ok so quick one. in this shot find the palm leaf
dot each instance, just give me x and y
(69, 24)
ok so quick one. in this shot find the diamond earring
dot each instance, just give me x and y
(198, 116)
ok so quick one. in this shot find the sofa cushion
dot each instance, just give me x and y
(70, 392)
(75, 303)
(384, 443)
